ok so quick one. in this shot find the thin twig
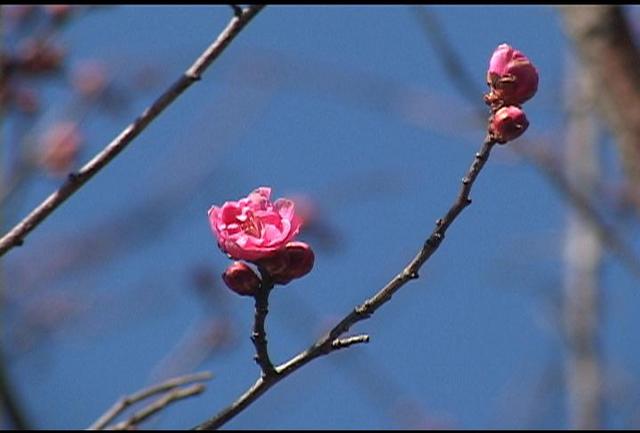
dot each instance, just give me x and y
(15, 237)
(259, 335)
(451, 61)
(145, 393)
(158, 405)
(325, 345)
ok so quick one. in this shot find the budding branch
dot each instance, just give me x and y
(332, 341)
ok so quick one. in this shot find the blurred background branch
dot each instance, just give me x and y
(171, 389)
(584, 375)
(606, 46)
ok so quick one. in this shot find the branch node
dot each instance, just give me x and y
(237, 10)
(193, 76)
(341, 343)
(361, 310)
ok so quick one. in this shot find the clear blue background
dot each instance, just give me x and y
(351, 107)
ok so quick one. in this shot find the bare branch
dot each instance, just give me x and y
(158, 405)
(327, 343)
(126, 401)
(15, 237)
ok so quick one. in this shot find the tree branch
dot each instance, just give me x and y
(158, 405)
(331, 341)
(15, 237)
(129, 400)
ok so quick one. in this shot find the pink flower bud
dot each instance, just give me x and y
(299, 257)
(240, 278)
(275, 264)
(512, 77)
(507, 124)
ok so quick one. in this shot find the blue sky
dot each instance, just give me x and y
(351, 107)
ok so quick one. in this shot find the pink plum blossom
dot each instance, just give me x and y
(512, 77)
(253, 227)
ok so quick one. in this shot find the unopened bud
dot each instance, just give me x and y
(300, 259)
(511, 76)
(508, 123)
(276, 263)
(240, 278)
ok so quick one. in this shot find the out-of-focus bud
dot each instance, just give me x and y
(512, 77)
(17, 13)
(26, 100)
(59, 147)
(89, 79)
(299, 258)
(36, 57)
(58, 12)
(240, 278)
(507, 124)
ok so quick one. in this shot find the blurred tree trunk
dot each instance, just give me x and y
(583, 253)
(605, 44)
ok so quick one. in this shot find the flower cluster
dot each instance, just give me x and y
(512, 80)
(261, 232)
